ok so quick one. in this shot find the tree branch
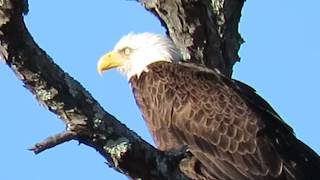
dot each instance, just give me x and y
(85, 119)
(205, 32)
(52, 141)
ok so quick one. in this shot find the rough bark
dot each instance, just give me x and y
(205, 31)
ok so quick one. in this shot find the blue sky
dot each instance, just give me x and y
(280, 59)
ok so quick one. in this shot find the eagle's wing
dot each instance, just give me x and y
(221, 129)
(233, 132)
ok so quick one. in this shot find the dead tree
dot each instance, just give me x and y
(204, 30)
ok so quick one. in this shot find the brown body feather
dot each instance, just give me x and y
(231, 132)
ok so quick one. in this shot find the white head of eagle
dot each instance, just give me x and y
(134, 52)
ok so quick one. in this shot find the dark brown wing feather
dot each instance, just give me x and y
(232, 132)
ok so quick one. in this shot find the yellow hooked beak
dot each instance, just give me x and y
(110, 60)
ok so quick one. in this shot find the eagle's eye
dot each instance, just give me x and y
(126, 51)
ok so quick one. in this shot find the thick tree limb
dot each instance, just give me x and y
(204, 30)
(85, 118)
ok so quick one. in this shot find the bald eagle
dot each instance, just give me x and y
(230, 131)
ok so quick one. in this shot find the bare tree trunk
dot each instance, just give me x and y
(205, 31)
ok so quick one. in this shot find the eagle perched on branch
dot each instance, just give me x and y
(231, 132)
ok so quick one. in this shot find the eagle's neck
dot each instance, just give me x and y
(135, 69)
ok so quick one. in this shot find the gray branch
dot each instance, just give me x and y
(205, 31)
